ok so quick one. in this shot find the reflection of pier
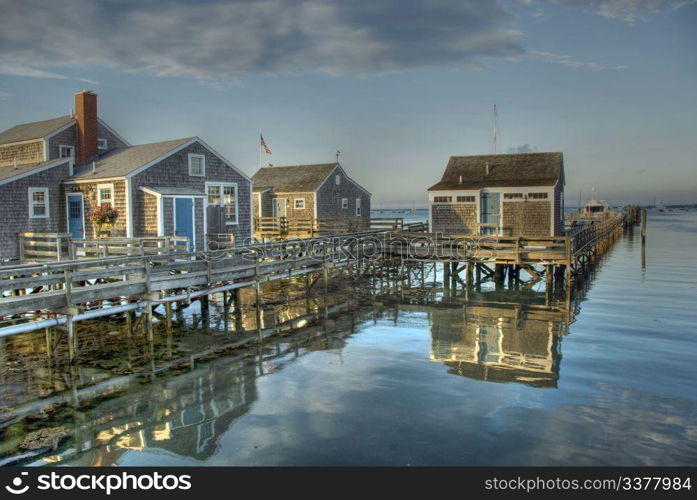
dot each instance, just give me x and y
(498, 341)
(183, 415)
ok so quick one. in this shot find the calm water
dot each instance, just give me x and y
(413, 382)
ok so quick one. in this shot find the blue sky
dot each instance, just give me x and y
(398, 86)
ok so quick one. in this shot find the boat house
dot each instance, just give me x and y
(322, 191)
(502, 195)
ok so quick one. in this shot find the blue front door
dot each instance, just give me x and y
(75, 216)
(184, 219)
(490, 212)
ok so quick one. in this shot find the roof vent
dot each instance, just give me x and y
(460, 179)
(15, 163)
(486, 170)
(94, 168)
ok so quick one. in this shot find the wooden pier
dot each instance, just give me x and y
(58, 294)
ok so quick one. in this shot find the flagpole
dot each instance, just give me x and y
(259, 150)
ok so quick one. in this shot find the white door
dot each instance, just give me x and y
(279, 207)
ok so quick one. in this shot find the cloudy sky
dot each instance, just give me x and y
(397, 85)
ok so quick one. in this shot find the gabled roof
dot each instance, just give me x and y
(296, 178)
(527, 169)
(34, 130)
(173, 191)
(120, 162)
(10, 174)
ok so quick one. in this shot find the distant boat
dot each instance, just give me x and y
(661, 207)
(595, 208)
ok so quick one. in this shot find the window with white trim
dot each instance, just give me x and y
(465, 199)
(38, 203)
(358, 207)
(65, 151)
(299, 203)
(337, 179)
(512, 196)
(105, 194)
(197, 165)
(102, 144)
(224, 195)
(537, 196)
(344, 203)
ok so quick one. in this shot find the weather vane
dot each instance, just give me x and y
(337, 155)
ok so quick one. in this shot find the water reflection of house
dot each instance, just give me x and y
(184, 417)
(498, 343)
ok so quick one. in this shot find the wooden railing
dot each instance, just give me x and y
(219, 241)
(58, 285)
(43, 246)
(416, 227)
(107, 247)
(582, 237)
(281, 227)
(61, 246)
(507, 249)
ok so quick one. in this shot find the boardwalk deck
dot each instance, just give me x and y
(43, 295)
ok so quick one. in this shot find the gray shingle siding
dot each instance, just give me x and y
(89, 191)
(329, 197)
(67, 137)
(174, 171)
(27, 152)
(15, 198)
(112, 140)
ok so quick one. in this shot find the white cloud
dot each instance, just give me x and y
(523, 148)
(570, 61)
(625, 10)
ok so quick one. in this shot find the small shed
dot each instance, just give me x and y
(321, 191)
(502, 195)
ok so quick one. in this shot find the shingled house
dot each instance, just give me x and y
(504, 195)
(322, 191)
(53, 173)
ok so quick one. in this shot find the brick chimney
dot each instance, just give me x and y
(86, 118)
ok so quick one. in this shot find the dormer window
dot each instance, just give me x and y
(197, 165)
(65, 151)
(102, 144)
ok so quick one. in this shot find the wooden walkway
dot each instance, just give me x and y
(55, 294)
(117, 284)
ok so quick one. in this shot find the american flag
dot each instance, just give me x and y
(266, 148)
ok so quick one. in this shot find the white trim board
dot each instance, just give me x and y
(338, 165)
(179, 148)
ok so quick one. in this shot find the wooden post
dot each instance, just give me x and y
(59, 247)
(643, 224)
(20, 237)
(257, 290)
(72, 343)
(168, 314)
(446, 275)
(549, 282)
(49, 343)
(129, 324)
